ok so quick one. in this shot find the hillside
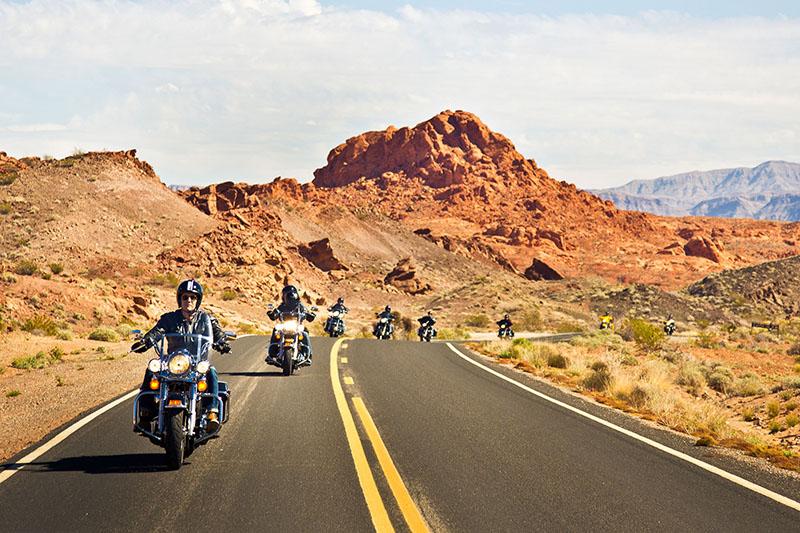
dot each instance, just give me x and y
(770, 191)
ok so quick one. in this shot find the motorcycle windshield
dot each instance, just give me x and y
(198, 343)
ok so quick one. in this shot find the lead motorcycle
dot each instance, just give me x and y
(334, 325)
(179, 388)
(287, 335)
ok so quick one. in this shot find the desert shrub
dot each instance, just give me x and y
(477, 321)
(228, 294)
(597, 339)
(703, 323)
(56, 268)
(557, 360)
(788, 394)
(718, 376)
(629, 360)
(748, 384)
(791, 406)
(6, 208)
(56, 353)
(707, 339)
(790, 382)
(452, 334)
(531, 320)
(568, 327)
(30, 362)
(599, 379)
(791, 420)
(104, 334)
(773, 409)
(775, 426)
(691, 376)
(794, 349)
(64, 335)
(7, 178)
(647, 336)
(8, 277)
(26, 267)
(748, 414)
(39, 325)
(124, 329)
(12, 393)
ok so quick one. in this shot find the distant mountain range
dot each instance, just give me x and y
(770, 191)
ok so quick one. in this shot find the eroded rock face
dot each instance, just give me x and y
(704, 247)
(320, 254)
(539, 270)
(221, 197)
(404, 277)
(449, 149)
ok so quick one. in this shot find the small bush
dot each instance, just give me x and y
(647, 336)
(791, 406)
(748, 414)
(791, 420)
(599, 379)
(691, 377)
(477, 321)
(26, 267)
(557, 360)
(104, 334)
(56, 353)
(7, 178)
(8, 277)
(64, 335)
(40, 325)
(775, 426)
(30, 362)
(773, 409)
(56, 268)
(6, 208)
(747, 385)
(12, 393)
(228, 294)
(707, 339)
(788, 394)
(718, 376)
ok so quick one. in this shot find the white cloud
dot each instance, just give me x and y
(255, 89)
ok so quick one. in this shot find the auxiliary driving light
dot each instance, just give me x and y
(153, 384)
(154, 365)
(202, 367)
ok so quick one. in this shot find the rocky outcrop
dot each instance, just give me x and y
(221, 197)
(449, 149)
(320, 254)
(704, 247)
(404, 277)
(539, 270)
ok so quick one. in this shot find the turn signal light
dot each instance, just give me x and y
(153, 384)
(202, 385)
(175, 403)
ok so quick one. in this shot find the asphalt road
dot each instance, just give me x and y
(472, 451)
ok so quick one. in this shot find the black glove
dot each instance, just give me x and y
(311, 317)
(273, 314)
(139, 347)
(223, 347)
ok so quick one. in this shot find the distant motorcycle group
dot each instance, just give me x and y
(607, 322)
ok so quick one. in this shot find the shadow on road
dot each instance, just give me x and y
(127, 463)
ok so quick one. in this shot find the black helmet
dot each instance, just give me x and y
(192, 287)
(340, 301)
(505, 316)
(430, 313)
(388, 309)
(289, 295)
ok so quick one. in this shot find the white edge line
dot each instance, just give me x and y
(666, 449)
(12, 469)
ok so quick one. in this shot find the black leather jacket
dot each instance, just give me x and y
(427, 321)
(386, 314)
(504, 323)
(338, 307)
(201, 323)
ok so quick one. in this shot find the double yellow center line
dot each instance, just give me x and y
(377, 509)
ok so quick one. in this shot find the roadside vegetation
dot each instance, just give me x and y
(678, 384)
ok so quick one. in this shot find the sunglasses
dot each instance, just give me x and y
(187, 297)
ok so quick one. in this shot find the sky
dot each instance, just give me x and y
(598, 93)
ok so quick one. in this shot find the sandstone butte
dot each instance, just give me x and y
(459, 184)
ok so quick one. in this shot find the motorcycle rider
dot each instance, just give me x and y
(187, 319)
(387, 314)
(338, 306)
(606, 321)
(290, 304)
(505, 323)
(669, 325)
(426, 321)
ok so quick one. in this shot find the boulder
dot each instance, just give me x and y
(706, 248)
(320, 254)
(539, 270)
(404, 277)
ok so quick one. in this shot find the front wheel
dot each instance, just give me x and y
(175, 441)
(288, 364)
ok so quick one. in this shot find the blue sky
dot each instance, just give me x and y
(598, 93)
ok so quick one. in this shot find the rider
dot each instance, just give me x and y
(606, 321)
(187, 319)
(426, 321)
(290, 304)
(505, 323)
(338, 306)
(387, 314)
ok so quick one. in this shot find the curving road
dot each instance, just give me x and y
(453, 448)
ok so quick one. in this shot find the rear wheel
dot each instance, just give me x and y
(175, 441)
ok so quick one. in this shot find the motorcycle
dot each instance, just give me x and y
(425, 333)
(606, 322)
(383, 329)
(669, 327)
(334, 326)
(288, 335)
(505, 332)
(178, 386)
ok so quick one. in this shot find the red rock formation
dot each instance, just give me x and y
(703, 247)
(539, 270)
(404, 277)
(221, 197)
(320, 254)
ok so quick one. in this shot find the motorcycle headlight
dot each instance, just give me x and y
(154, 365)
(203, 366)
(179, 363)
(383, 320)
(336, 313)
(290, 326)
